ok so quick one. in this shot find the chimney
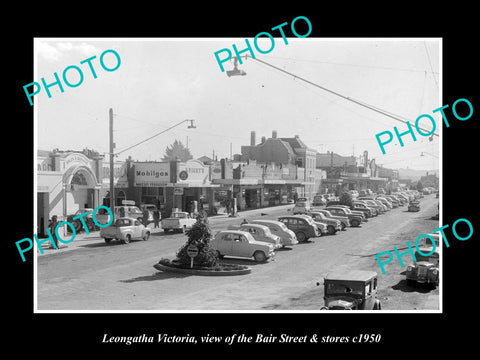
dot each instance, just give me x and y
(252, 138)
(274, 134)
(296, 136)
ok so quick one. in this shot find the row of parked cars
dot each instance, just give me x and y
(260, 238)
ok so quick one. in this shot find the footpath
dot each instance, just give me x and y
(83, 239)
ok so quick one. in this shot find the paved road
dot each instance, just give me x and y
(97, 276)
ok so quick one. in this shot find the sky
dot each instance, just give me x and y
(161, 82)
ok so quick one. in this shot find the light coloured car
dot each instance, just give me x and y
(333, 225)
(345, 222)
(125, 229)
(241, 244)
(261, 233)
(301, 207)
(178, 221)
(287, 236)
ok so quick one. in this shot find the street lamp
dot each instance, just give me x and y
(235, 71)
(112, 154)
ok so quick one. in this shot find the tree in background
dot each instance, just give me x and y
(177, 151)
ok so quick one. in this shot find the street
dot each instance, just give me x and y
(118, 277)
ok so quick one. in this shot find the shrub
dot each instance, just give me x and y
(199, 235)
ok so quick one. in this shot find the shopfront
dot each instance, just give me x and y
(66, 183)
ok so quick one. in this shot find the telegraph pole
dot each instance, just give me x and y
(112, 146)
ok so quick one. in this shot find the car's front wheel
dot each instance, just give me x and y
(259, 256)
(355, 223)
(147, 236)
(301, 237)
(331, 230)
(107, 240)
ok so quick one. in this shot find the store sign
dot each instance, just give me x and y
(177, 191)
(77, 159)
(119, 174)
(151, 174)
(193, 172)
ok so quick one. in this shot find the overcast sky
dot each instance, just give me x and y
(163, 81)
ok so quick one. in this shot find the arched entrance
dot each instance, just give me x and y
(80, 186)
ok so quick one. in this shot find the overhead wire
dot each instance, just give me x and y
(358, 102)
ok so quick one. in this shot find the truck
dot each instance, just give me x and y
(179, 221)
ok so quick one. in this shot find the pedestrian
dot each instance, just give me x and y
(52, 225)
(228, 205)
(156, 218)
(245, 221)
(145, 217)
(122, 211)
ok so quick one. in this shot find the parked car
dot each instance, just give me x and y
(345, 222)
(259, 233)
(301, 207)
(361, 206)
(351, 290)
(373, 205)
(426, 269)
(385, 202)
(178, 221)
(287, 236)
(333, 225)
(303, 228)
(355, 220)
(241, 244)
(413, 206)
(129, 211)
(319, 200)
(125, 229)
(322, 227)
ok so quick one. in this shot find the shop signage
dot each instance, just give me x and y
(119, 174)
(193, 172)
(192, 251)
(178, 191)
(75, 159)
(151, 174)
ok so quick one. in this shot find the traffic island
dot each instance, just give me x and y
(220, 269)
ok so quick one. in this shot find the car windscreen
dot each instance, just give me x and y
(341, 288)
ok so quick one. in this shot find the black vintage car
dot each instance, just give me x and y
(351, 290)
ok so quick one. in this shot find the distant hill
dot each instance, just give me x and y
(414, 174)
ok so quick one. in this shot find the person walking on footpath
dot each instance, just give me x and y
(52, 226)
(156, 218)
(145, 217)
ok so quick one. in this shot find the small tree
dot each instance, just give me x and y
(177, 151)
(199, 235)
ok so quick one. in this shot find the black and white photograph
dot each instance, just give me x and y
(238, 181)
(259, 183)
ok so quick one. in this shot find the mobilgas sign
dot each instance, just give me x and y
(151, 174)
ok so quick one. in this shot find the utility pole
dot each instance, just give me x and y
(112, 146)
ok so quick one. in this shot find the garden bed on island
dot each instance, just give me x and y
(220, 269)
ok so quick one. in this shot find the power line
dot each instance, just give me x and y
(354, 65)
(358, 102)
